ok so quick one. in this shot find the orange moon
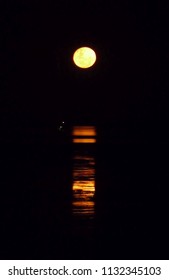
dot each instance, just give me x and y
(84, 57)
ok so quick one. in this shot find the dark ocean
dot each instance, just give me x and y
(84, 199)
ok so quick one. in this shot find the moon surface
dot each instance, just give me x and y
(84, 57)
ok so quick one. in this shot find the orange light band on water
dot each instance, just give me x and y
(86, 186)
(84, 134)
(84, 131)
(84, 140)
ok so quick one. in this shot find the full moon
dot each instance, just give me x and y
(84, 57)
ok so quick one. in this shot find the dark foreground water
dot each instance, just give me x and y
(94, 202)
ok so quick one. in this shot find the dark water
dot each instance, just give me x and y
(92, 202)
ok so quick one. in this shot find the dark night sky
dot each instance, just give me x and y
(41, 84)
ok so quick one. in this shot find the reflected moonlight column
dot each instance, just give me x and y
(84, 171)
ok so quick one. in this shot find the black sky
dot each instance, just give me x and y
(129, 79)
